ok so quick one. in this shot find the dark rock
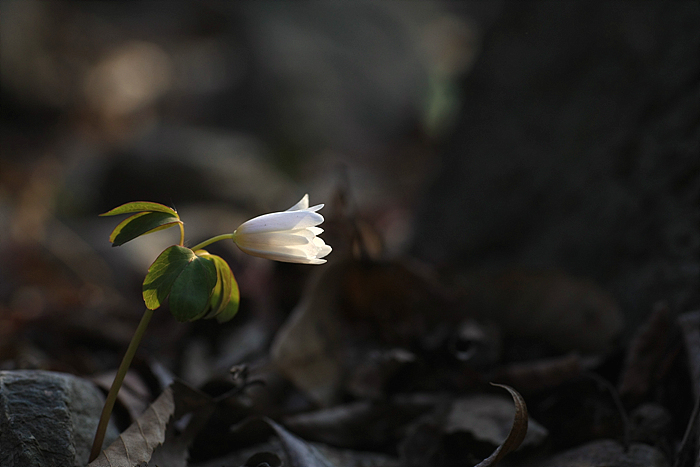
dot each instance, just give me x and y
(47, 419)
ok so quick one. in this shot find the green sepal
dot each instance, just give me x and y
(141, 224)
(225, 295)
(232, 307)
(189, 296)
(141, 206)
(163, 273)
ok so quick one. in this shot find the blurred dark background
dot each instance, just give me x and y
(557, 135)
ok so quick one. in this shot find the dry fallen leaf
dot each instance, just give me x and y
(349, 306)
(174, 452)
(359, 424)
(298, 452)
(306, 349)
(486, 419)
(137, 443)
(644, 355)
(568, 314)
(517, 431)
(541, 374)
(606, 453)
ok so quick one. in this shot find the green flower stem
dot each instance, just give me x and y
(199, 246)
(117, 383)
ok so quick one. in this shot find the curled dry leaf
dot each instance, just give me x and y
(517, 431)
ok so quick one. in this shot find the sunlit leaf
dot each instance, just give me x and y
(225, 296)
(232, 307)
(189, 296)
(140, 206)
(231, 296)
(163, 273)
(517, 431)
(219, 294)
(141, 224)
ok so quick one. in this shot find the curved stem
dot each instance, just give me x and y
(182, 234)
(199, 246)
(117, 383)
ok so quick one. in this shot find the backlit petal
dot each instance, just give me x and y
(289, 236)
(302, 204)
(279, 221)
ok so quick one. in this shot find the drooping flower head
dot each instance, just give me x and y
(290, 236)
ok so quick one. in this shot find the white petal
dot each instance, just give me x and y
(273, 239)
(302, 204)
(279, 221)
(285, 255)
(308, 250)
(290, 236)
(325, 250)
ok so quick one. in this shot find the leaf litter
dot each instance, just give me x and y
(387, 363)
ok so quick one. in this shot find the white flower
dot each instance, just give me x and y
(289, 236)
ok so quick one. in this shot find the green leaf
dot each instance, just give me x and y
(189, 296)
(140, 206)
(141, 224)
(220, 293)
(232, 307)
(225, 294)
(163, 273)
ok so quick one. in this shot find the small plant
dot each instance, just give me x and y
(201, 285)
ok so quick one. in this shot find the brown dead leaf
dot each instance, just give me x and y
(517, 431)
(134, 394)
(136, 445)
(565, 312)
(644, 355)
(174, 452)
(349, 305)
(299, 453)
(269, 459)
(486, 419)
(606, 453)
(542, 374)
(690, 327)
(306, 349)
(360, 424)
(689, 452)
